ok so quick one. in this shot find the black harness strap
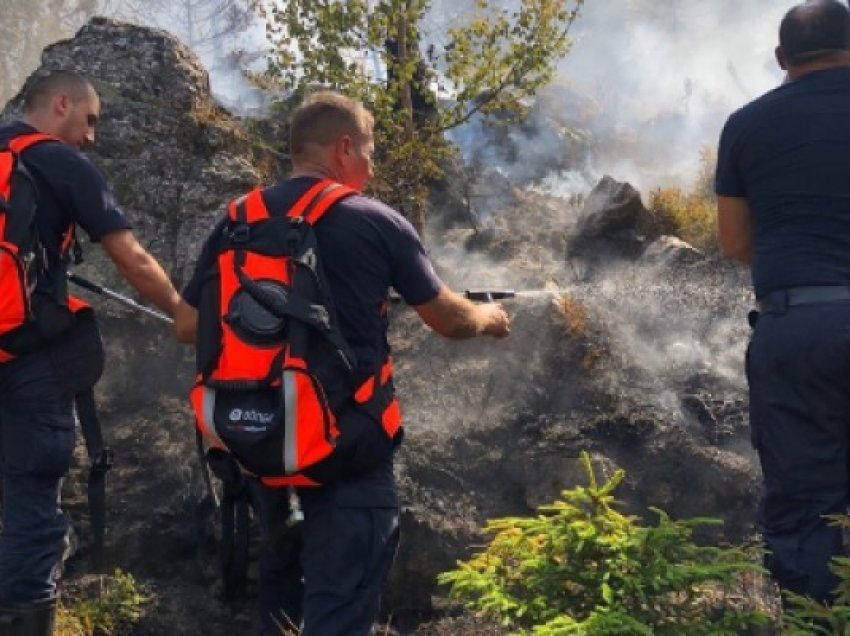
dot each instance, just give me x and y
(235, 523)
(101, 462)
(205, 468)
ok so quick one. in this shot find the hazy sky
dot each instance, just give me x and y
(665, 75)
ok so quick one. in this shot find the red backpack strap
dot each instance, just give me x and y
(311, 205)
(249, 208)
(318, 200)
(308, 197)
(21, 142)
(17, 145)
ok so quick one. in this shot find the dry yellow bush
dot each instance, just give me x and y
(692, 216)
(69, 625)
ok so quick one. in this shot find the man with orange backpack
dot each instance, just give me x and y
(288, 309)
(47, 188)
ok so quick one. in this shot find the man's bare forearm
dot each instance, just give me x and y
(141, 270)
(466, 321)
(453, 316)
(148, 278)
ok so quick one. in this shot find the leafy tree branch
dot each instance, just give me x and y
(380, 51)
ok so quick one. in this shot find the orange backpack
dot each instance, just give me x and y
(274, 371)
(31, 313)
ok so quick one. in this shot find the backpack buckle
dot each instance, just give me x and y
(294, 235)
(240, 234)
(77, 251)
(103, 462)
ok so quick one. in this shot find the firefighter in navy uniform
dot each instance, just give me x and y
(784, 207)
(60, 110)
(349, 534)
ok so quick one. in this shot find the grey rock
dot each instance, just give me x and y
(171, 155)
(613, 223)
(671, 251)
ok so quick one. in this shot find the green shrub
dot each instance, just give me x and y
(117, 602)
(582, 567)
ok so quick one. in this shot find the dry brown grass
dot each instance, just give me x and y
(574, 316)
(573, 313)
(690, 215)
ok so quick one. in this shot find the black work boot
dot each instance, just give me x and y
(36, 618)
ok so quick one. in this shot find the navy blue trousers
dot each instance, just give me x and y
(347, 556)
(281, 590)
(36, 446)
(329, 571)
(798, 368)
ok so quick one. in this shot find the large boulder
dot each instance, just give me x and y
(613, 224)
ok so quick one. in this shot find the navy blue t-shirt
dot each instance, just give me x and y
(365, 248)
(788, 154)
(69, 188)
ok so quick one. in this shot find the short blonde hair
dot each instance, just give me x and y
(324, 117)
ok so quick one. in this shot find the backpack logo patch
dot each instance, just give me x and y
(251, 415)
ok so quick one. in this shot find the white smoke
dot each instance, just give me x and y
(666, 76)
(653, 83)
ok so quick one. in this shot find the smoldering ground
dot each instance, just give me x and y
(644, 90)
(640, 363)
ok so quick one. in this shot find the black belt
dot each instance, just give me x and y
(779, 300)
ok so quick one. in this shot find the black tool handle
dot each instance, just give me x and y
(489, 295)
(85, 283)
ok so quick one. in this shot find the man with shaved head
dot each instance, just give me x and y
(783, 190)
(60, 110)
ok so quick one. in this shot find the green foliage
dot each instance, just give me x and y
(118, 602)
(493, 60)
(807, 617)
(582, 567)
(692, 216)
